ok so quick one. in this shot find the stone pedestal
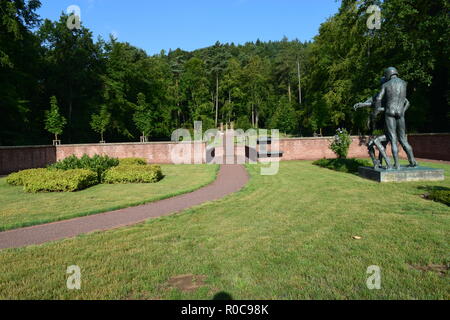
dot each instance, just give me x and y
(405, 174)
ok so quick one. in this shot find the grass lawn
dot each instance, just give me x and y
(19, 209)
(287, 236)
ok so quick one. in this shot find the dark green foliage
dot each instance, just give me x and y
(132, 161)
(223, 83)
(342, 165)
(243, 123)
(341, 143)
(98, 164)
(440, 195)
(143, 117)
(284, 118)
(72, 68)
(20, 57)
(43, 180)
(346, 61)
(133, 174)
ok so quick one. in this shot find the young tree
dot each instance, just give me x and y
(143, 117)
(101, 121)
(54, 122)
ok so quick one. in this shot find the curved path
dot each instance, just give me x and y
(231, 178)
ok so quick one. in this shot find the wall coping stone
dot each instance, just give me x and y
(25, 147)
(171, 142)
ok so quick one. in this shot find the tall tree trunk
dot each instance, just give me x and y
(299, 83)
(289, 92)
(217, 98)
(178, 102)
(253, 116)
(229, 106)
(70, 112)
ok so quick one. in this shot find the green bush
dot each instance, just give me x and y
(17, 178)
(440, 196)
(342, 165)
(133, 174)
(132, 161)
(98, 164)
(341, 143)
(43, 180)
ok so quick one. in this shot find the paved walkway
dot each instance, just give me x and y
(231, 178)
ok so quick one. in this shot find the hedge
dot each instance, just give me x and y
(98, 164)
(133, 174)
(43, 180)
(17, 178)
(132, 161)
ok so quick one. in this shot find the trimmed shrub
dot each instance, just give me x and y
(343, 165)
(439, 195)
(98, 164)
(132, 161)
(43, 180)
(17, 178)
(133, 174)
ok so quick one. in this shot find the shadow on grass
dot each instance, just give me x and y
(343, 165)
(222, 296)
(436, 193)
(433, 188)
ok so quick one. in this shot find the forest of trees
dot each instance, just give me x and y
(301, 88)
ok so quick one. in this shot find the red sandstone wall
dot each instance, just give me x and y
(431, 146)
(318, 148)
(428, 146)
(14, 159)
(157, 152)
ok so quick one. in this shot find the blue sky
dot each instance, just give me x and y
(191, 24)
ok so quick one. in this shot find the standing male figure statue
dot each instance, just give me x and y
(393, 93)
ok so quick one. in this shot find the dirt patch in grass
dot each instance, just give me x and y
(441, 269)
(187, 282)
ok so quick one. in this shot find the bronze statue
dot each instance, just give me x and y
(394, 93)
(392, 100)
